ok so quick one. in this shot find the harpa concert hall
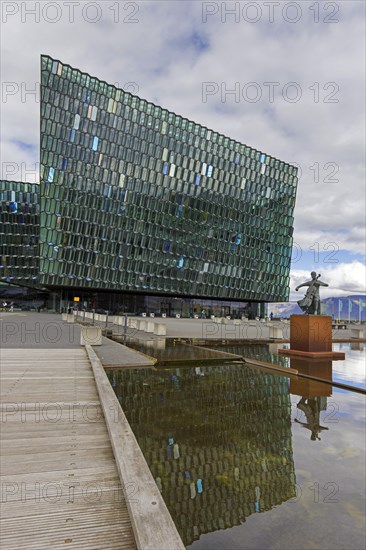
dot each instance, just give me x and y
(141, 210)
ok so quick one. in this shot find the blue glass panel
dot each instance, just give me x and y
(199, 486)
(72, 135)
(180, 262)
(262, 158)
(198, 179)
(165, 168)
(95, 143)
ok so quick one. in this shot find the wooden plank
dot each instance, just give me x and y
(60, 483)
(148, 505)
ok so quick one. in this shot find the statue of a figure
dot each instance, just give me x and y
(310, 304)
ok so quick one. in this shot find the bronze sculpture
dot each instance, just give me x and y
(310, 304)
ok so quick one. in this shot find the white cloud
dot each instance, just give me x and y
(161, 54)
(332, 240)
(343, 279)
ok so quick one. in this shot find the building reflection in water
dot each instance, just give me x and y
(217, 440)
(313, 393)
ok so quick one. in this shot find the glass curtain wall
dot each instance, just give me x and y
(137, 198)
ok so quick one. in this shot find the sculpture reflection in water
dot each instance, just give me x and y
(313, 393)
(311, 407)
(217, 440)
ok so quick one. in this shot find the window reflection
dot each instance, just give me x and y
(237, 458)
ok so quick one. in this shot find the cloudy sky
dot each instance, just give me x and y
(286, 78)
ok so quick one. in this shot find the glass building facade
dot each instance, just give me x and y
(136, 198)
(19, 232)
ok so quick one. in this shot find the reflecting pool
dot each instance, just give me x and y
(248, 460)
(351, 370)
(170, 351)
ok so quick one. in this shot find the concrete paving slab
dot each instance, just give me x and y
(28, 330)
(114, 355)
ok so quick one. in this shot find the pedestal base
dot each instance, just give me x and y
(312, 354)
(318, 369)
(311, 336)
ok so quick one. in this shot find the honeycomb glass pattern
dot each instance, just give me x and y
(19, 232)
(137, 198)
(217, 440)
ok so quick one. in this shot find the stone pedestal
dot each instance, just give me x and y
(275, 332)
(311, 336)
(160, 329)
(311, 333)
(356, 333)
(91, 336)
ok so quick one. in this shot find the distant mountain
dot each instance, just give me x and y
(349, 307)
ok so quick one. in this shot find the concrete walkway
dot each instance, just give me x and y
(206, 329)
(48, 331)
(116, 355)
(37, 331)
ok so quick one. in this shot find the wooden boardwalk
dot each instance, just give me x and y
(60, 486)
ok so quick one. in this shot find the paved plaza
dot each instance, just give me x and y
(48, 330)
(208, 329)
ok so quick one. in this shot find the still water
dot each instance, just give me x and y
(249, 460)
(350, 371)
